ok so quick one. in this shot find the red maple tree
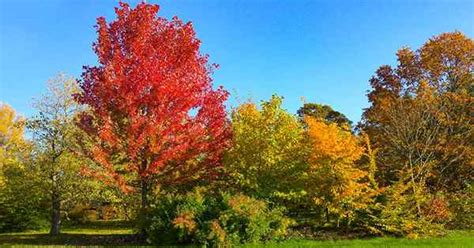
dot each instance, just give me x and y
(153, 116)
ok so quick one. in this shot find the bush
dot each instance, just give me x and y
(17, 218)
(462, 207)
(82, 214)
(247, 220)
(407, 214)
(222, 219)
(21, 207)
(173, 218)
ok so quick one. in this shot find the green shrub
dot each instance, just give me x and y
(16, 218)
(173, 218)
(21, 207)
(221, 219)
(247, 220)
(82, 214)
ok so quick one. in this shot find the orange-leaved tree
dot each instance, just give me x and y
(337, 184)
(421, 113)
(153, 117)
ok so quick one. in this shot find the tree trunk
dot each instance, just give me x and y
(327, 215)
(55, 214)
(144, 192)
(143, 207)
(415, 193)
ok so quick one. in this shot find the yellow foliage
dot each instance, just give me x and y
(11, 137)
(268, 152)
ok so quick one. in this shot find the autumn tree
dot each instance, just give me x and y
(420, 118)
(267, 159)
(325, 112)
(11, 137)
(153, 116)
(20, 203)
(53, 130)
(336, 183)
(420, 122)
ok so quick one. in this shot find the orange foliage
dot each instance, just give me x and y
(338, 184)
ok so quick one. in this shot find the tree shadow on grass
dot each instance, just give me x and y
(70, 239)
(99, 225)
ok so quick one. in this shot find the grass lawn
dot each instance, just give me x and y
(96, 233)
(120, 233)
(455, 239)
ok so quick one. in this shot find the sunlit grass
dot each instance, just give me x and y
(121, 233)
(455, 239)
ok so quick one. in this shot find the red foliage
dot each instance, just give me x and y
(153, 110)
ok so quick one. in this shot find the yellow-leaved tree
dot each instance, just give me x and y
(11, 138)
(19, 198)
(267, 159)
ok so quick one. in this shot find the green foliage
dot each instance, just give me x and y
(247, 220)
(21, 208)
(172, 217)
(324, 112)
(52, 129)
(58, 159)
(215, 220)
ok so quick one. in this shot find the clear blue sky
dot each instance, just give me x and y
(324, 51)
